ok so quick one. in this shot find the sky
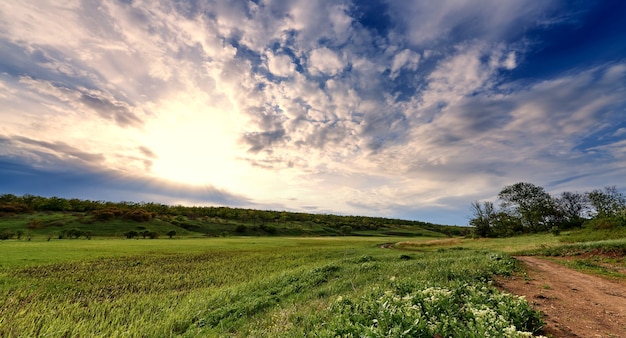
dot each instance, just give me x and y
(390, 108)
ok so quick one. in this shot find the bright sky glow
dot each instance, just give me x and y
(408, 109)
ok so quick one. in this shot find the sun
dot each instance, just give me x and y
(195, 148)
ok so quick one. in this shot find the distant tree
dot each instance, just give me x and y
(6, 234)
(55, 204)
(345, 229)
(153, 235)
(572, 207)
(171, 233)
(240, 229)
(131, 234)
(608, 202)
(76, 233)
(483, 218)
(534, 207)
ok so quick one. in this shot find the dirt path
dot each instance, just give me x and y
(574, 304)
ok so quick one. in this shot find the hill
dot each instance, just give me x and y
(55, 217)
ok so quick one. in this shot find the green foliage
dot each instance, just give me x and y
(555, 230)
(171, 233)
(607, 202)
(530, 203)
(345, 230)
(421, 310)
(527, 208)
(131, 234)
(6, 234)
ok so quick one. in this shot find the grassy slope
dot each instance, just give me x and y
(51, 224)
(268, 286)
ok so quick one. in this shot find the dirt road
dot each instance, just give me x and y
(574, 304)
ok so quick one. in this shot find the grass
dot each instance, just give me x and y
(509, 245)
(51, 224)
(592, 235)
(253, 287)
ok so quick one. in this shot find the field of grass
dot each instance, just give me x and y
(255, 287)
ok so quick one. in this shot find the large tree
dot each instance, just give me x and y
(572, 207)
(531, 204)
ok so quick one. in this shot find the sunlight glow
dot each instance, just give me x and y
(194, 145)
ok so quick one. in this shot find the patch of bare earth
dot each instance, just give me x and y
(574, 304)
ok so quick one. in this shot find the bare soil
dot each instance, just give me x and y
(574, 304)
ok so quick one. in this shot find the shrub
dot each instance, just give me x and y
(555, 230)
(76, 233)
(345, 229)
(35, 224)
(430, 311)
(131, 234)
(241, 229)
(6, 234)
(138, 215)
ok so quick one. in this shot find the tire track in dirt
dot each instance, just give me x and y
(574, 304)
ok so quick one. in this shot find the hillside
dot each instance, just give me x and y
(27, 216)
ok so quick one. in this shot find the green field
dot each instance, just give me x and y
(254, 287)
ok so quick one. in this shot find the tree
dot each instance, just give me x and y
(131, 234)
(483, 218)
(608, 202)
(171, 233)
(534, 207)
(572, 207)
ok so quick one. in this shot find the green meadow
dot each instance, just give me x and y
(255, 287)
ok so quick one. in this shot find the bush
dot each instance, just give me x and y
(139, 215)
(35, 224)
(131, 234)
(430, 311)
(345, 229)
(6, 234)
(240, 229)
(76, 233)
(14, 208)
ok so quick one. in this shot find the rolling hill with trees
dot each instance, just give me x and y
(55, 217)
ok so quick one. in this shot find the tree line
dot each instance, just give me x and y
(527, 208)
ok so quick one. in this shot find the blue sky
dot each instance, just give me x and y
(407, 109)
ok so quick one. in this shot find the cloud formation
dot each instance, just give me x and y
(391, 108)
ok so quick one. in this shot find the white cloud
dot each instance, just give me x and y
(404, 59)
(355, 118)
(324, 60)
(436, 23)
(280, 65)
